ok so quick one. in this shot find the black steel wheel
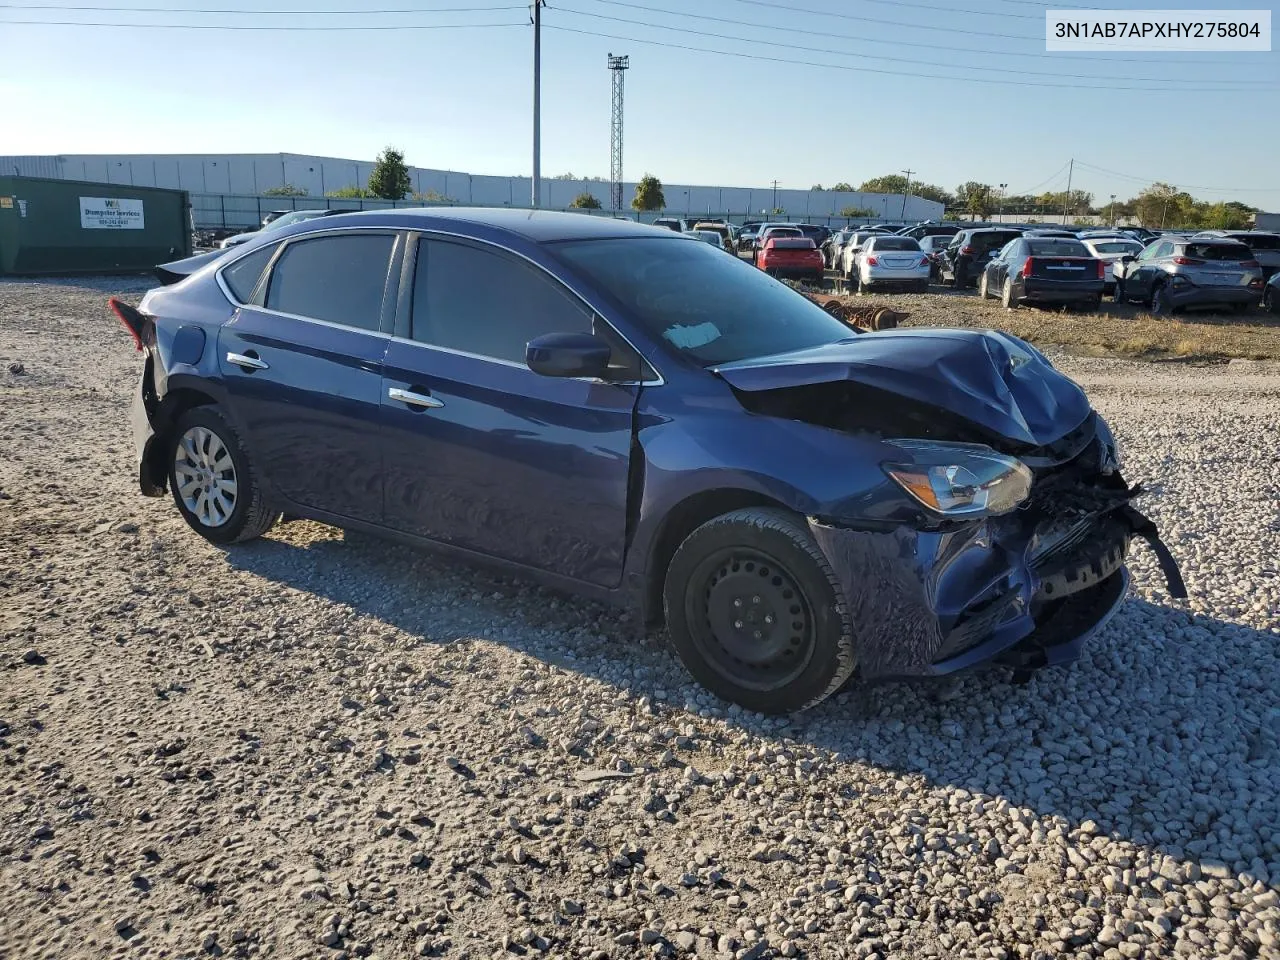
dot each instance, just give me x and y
(1161, 305)
(756, 613)
(1269, 300)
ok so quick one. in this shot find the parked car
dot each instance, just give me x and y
(713, 237)
(768, 230)
(720, 228)
(1175, 272)
(852, 247)
(671, 223)
(933, 245)
(274, 215)
(1110, 250)
(815, 232)
(892, 261)
(1271, 294)
(783, 255)
(285, 220)
(966, 256)
(1060, 234)
(1046, 271)
(1264, 246)
(758, 236)
(639, 420)
(922, 230)
(831, 246)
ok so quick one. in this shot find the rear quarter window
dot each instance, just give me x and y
(242, 276)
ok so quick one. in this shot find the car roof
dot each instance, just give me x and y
(538, 226)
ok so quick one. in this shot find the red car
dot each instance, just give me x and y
(791, 257)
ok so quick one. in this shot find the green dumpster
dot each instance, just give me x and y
(73, 226)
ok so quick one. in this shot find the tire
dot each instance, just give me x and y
(770, 551)
(982, 287)
(960, 281)
(202, 441)
(923, 287)
(1269, 301)
(1241, 307)
(1118, 296)
(1160, 306)
(1095, 305)
(1006, 295)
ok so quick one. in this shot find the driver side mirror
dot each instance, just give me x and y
(568, 355)
(1128, 258)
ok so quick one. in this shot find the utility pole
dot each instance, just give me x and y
(775, 196)
(1003, 187)
(618, 67)
(906, 193)
(1112, 218)
(537, 102)
(1070, 171)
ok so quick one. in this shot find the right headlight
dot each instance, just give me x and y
(959, 479)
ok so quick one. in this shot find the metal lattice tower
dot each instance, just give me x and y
(618, 67)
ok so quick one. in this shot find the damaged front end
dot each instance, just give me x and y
(1016, 553)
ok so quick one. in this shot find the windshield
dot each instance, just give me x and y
(1115, 246)
(700, 304)
(290, 218)
(894, 243)
(1052, 247)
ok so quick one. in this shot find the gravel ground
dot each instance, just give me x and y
(328, 746)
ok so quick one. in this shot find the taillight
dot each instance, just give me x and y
(872, 261)
(966, 249)
(1102, 270)
(1186, 261)
(1026, 266)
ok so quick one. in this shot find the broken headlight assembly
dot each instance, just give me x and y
(960, 479)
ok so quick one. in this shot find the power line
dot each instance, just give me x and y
(906, 60)
(950, 48)
(1189, 186)
(1042, 183)
(246, 27)
(893, 73)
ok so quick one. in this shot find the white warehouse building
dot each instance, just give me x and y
(249, 174)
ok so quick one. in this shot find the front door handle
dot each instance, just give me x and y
(414, 399)
(247, 363)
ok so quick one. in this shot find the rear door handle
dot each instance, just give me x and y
(414, 399)
(247, 363)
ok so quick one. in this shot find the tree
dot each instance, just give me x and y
(843, 187)
(648, 194)
(975, 198)
(565, 176)
(286, 190)
(1153, 204)
(433, 196)
(897, 183)
(585, 201)
(857, 212)
(817, 188)
(390, 177)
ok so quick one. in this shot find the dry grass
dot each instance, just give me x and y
(1115, 330)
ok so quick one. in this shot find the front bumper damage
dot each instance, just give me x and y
(1026, 590)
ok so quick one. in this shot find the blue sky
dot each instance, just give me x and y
(460, 98)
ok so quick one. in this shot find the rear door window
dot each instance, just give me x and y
(339, 278)
(486, 303)
(242, 276)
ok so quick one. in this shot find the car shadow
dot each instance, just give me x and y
(1152, 736)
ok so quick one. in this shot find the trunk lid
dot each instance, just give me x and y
(1064, 268)
(988, 378)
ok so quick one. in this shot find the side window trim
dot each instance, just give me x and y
(402, 326)
(390, 284)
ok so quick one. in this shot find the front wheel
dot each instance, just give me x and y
(213, 482)
(756, 614)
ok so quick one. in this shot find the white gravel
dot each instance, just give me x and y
(328, 746)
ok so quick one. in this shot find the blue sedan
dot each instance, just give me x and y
(634, 418)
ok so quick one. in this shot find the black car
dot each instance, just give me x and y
(1271, 294)
(969, 251)
(815, 232)
(671, 223)
(1044, 270)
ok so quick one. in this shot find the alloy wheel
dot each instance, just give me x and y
(206, 476)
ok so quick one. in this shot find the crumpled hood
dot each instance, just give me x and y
(991, 379)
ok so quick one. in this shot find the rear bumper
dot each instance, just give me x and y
(1036, 290)
(791, 270)
(146, 445)
(889, 277)
(1187, 295)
